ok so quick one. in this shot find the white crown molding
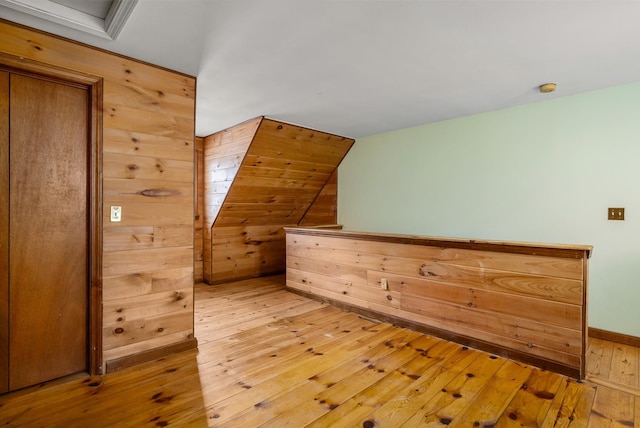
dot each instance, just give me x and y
(117, 16)
(107, 28)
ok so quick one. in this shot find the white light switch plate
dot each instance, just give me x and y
(116, 213)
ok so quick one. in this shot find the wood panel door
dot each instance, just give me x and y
(48, 230)
(4, 231)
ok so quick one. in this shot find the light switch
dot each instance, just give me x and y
(116, 213)
(616, 214)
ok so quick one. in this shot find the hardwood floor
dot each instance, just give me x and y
(271, 358)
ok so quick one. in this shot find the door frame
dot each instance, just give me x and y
(94, 86)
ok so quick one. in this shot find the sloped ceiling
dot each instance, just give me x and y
(360, 67)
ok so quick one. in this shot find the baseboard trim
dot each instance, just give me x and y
(243, 278)
(150, 355)
(614, 385)
(611, 336)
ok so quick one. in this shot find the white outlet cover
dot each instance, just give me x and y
(116, 213)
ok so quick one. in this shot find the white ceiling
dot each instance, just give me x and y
(361, 67)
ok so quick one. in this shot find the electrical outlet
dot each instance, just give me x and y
(116, 213)
(616, 213)
(384, 283)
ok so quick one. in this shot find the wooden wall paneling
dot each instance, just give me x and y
(136, 284)
(143, 214)
(138, 144)
(324, 209)
(223, 155)
(130, 285)
(134, 261)
(563, 343)
(283, 165)
(128, 238)
(389, 245)
(585, 314)
(480, 282)
(148, 165)
(344, 272)
(129, 166)
(198, 255)
(129, 320)
(148, 191)
(120, 311)
(235, 254)
(171, 279)
(524, 303)
(269, 186)
(143, 341)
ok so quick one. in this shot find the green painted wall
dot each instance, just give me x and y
(543, 172)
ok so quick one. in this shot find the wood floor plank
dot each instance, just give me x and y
(394, 373)
(224, 382)
(412, 398)
(307, 363)
(612, 409)
(533, 400)
(103, 404)
(624, 365)
(297, 405)
(495, 396)
(219, 332)
(279, 334)
(226, 372)
(599, 353)
(238, 310)
(290, 322)
(247, 286)
(571, 406)
(271, 358)
(456, 396)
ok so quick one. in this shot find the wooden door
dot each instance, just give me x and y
(47, 221)
(4, 231)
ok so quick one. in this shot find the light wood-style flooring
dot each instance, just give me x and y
(271, 358)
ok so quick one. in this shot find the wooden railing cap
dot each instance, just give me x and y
(577, 251)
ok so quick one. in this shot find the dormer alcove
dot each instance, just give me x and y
(260, 176)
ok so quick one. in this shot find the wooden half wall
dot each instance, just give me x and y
(520, 300)
(146, 125)
(260, 176)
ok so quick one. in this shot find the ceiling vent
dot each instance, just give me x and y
(103, 18)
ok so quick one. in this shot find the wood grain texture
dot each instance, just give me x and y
(198, 240)
(147, 160)
(324, 209)
(48, 271)
(522, 302)
(260, 176)
(294, 362)
(4, 232)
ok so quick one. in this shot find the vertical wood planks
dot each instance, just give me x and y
(147, 169)
(198, 244)
(525, 300)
